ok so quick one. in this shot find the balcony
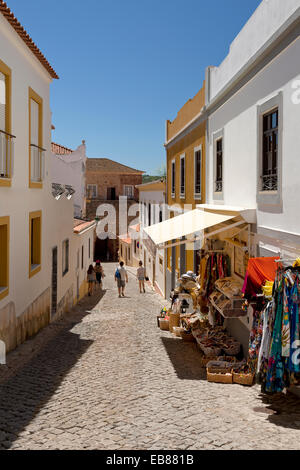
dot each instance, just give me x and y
(6, 157)
(218, 186)
(269, 182)
(37, 163)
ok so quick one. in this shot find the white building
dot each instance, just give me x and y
(38, 246)
(69, 168)
(152, 211)
(253, 136)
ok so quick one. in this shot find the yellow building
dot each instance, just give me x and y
(185, 151)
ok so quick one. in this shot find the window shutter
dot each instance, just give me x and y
(2, 102)
(34, 125)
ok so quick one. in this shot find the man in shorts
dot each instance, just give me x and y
(121, 278)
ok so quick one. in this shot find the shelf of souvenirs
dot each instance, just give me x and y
(227, 298)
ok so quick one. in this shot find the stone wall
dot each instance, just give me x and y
(104, 181)
(15, 330)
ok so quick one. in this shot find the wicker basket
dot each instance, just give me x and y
(233, 350)
(243, 379)
(164, 324)
(187, 336)
(174, 321)
(210, 351)
(177, 330)
(219, 378)
(205, 359)
(214, 368)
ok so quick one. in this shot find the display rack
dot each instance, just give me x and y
(227, 301)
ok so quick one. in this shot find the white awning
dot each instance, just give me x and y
(184, 225)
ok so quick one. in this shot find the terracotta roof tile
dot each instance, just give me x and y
(60, 149)
(80, 225)
(8, 14)
(106, 165)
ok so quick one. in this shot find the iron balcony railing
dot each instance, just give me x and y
(37, 163)
(269, 182)
(6, 154)
(219, 186)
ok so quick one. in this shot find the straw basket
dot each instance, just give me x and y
(177, 330)
(210, 351)
(187, 336)
(205, 359)
(233, 349)
(174, 321)
(164, 324)
(243, 379)
(219, 378)
(214, 368)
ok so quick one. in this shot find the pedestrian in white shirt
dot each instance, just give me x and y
(141, 274)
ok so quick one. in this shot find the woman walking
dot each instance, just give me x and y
(99, 273)
(141, 274)
(91, 278)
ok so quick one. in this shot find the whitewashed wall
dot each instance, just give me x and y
(18, 200)
(260, 28)
(238, 120)
(156, 198)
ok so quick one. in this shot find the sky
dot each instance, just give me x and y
(126, 66)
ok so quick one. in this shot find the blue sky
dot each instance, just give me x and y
(125, 66)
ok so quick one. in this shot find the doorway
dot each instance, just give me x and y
(111, 194)
(54, 282)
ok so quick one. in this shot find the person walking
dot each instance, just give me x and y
(99, 273)
(91, 278)
(121, 278)
(141, 274)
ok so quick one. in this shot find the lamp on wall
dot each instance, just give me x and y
(69, 191)
(57, 190)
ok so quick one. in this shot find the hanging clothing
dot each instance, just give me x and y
(259, 271)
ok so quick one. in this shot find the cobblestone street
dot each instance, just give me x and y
(105, 377)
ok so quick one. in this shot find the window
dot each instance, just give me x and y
(6, 139)
(35, 242)
(173, 178)
(4, 257)
(219, 166)
(128, 191)
(182, 176)
(111, 194)
(36, 152)
(65, 257)
(89, 247)
(269, 177)
(197, 170)
(77, 266)
(128, 253)
(160, 214)
(92, 191)
(135, 246)
(149, 214)
(82, 256)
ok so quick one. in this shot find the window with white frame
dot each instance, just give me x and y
(269, 164)
(128, 191)
(173, 178)
(92, 191)
(219, 166)
(197, 172)
(182, 175)
(65, 257)
(269, 176)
